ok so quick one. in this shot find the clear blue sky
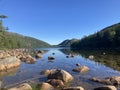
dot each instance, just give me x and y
(56, 20)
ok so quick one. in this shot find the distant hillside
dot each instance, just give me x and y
(108, 38)
(67, 43)
(10, 40)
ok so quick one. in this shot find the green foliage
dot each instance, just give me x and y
(3, 16)
(107, 38)
(10, 40)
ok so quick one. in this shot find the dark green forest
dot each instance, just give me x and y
(108, 38)
(9, 40)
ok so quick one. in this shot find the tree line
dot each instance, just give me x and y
(9, 40)
(108, 38)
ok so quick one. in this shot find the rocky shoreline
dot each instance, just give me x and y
(56, 79)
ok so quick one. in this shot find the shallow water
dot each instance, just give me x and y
(100, 70)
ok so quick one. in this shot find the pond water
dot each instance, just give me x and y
(104, 64)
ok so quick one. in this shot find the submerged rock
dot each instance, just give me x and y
(114, 80)
(106, 88)
(47, 72)
(73, 88)
(24, 86)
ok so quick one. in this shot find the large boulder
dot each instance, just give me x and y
(60, 75)
(9, 62)
(46, 86)
(73, 88)
(81, 69)
(23, 86)
(106, 88)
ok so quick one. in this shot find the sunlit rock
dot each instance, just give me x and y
(82, 69)
(60, 75)
(9, 62)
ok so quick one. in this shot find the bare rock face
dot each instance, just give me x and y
(114, 80)
(9, 62)
(56, 83)
(60, 75)
(73, 88)
(23, 86)
(46, 86)
(81, 69)
(106, 88)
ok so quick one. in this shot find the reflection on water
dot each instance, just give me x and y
(108, 58)
(97, 67)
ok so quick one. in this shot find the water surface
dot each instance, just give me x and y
(104, 64)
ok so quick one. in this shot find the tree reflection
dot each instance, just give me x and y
(109, 58)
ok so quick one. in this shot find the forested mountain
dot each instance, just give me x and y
(67, 43)
(108, 38)
(10, 40)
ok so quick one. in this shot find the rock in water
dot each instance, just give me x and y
(60, 75)
(114, 80)
(38, 55)
(9, 62)
(56, 83)
(106, 88)
(73, 88)
(82, 69)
